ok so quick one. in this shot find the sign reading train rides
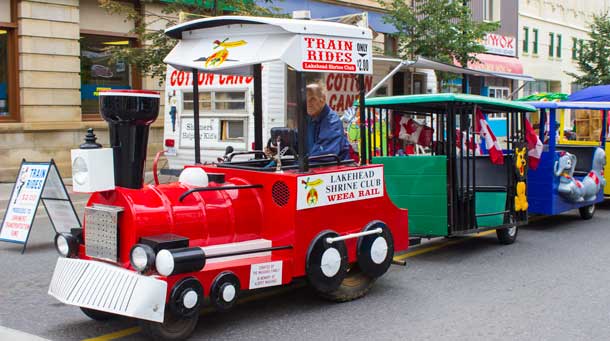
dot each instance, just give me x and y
(339, 187)
(36, 181)
(335, 54)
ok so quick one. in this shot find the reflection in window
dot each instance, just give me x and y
(232, 130)
(216, 101)
(3, 72)
(97, 72)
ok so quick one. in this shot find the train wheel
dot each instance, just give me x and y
(97, 315)
(174, 327)
(327, 263)
(587, 212)
(375, 251)
(507, 235)
(355, 285)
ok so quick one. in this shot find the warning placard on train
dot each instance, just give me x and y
(339, 187)
(265, 274)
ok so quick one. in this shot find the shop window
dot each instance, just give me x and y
(4, 53)
(535, 41)
(390, 45)
(535, 87)
(9, 88)
(98, 72)
(526, 39)
(232, 130)
(574, 48)
(551, 44)
(558, 54)
(498, 92)
(491, 10)
(214, 101)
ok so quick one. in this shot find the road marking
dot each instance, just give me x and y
(116, 335)
(134, 330)
(130, 331)
(440, 246)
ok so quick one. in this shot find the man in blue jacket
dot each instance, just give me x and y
(324, 128)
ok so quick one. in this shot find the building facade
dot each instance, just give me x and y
(551, 35)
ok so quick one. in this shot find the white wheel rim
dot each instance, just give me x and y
(190, 299)
(331, 262)
(379, 250)
(228, 293)
(512, 231)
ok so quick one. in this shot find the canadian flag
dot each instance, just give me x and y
(534, 145)
(491, 143)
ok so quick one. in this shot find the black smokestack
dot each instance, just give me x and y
(129, 114)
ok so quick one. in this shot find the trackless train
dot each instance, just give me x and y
(158, 252)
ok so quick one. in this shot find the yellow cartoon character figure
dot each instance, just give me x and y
(218, 57)
(521, 198)
(520, 163)
(312, 194)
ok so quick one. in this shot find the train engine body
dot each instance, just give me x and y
(155, 252)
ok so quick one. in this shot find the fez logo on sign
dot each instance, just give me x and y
(331, 54)
(221, 53)
(312, 193)
(339, 187)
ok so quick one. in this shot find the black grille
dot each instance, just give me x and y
(280, 193)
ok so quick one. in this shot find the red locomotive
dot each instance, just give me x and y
(155, 252)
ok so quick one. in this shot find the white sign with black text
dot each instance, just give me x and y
(338, 187)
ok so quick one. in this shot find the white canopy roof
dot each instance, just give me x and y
(232, 44)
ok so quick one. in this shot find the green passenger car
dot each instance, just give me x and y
(449, 187)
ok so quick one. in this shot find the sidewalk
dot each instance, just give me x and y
(16, 335)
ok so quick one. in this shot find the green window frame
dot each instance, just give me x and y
(574, 48)
(535, 41)
(551, 44)
(558, 52)
(526, 39)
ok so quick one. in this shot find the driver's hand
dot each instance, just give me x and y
(270, 151)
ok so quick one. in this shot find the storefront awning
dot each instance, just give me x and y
(321, 10)
(499, 66)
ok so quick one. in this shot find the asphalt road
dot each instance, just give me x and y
(551, 284)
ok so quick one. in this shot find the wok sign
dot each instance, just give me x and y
(339, 187)
(336, 55)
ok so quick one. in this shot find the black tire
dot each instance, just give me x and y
(173, 327)
(354, 286)
(507, 235)
(587, 212)
(97, 315)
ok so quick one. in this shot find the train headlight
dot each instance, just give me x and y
(66, 244)
(80, 172)
(142, 257)
(165, 262)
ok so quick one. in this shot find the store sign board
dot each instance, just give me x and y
(36, 182)
(499, 44)
(209, 129)
(332, 54)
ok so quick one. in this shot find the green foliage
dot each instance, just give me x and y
(594, 57)
(154, 45)
(441, 30)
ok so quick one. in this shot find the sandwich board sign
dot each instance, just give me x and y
(36, 182)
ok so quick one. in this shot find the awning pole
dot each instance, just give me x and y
(514, 92)
(196, 135)
(388, 76)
